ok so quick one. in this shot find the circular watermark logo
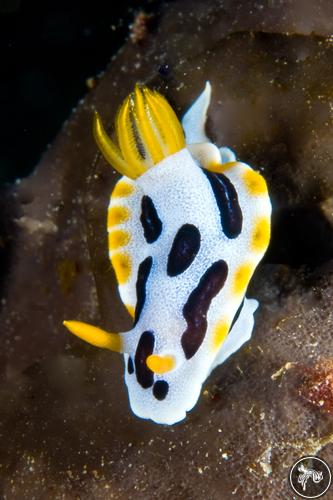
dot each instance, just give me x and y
(310, 477)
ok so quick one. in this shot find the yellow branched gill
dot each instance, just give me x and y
(147, 131)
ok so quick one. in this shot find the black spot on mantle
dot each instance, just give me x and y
(160, 389)
(227, 202)
(240, 307)
(145, 348)
(130, 366)
(143, 275)
(196, 308)
(151, 223)
(185, 247)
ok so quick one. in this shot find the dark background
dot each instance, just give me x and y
(48, 49)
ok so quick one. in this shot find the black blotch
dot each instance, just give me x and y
(227, 202)
(151, 223)
(130, 366)
(160, 389)
(145, 377)
(184, 248)
(164, 70)
(237, 314)
(301, 235)
(143, 274)
(196, 308)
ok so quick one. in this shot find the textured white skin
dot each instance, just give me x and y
(182, 194)
(239, 333)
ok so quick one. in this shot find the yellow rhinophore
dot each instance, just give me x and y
(95, 336)
(147, 131)
(160, 364)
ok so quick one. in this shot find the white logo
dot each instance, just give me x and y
(306, 474)
(310, 477)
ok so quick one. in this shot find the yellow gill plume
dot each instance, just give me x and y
(147, 131)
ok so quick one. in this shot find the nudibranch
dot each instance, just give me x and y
(187, 225)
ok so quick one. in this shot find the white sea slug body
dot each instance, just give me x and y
(187, 226)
